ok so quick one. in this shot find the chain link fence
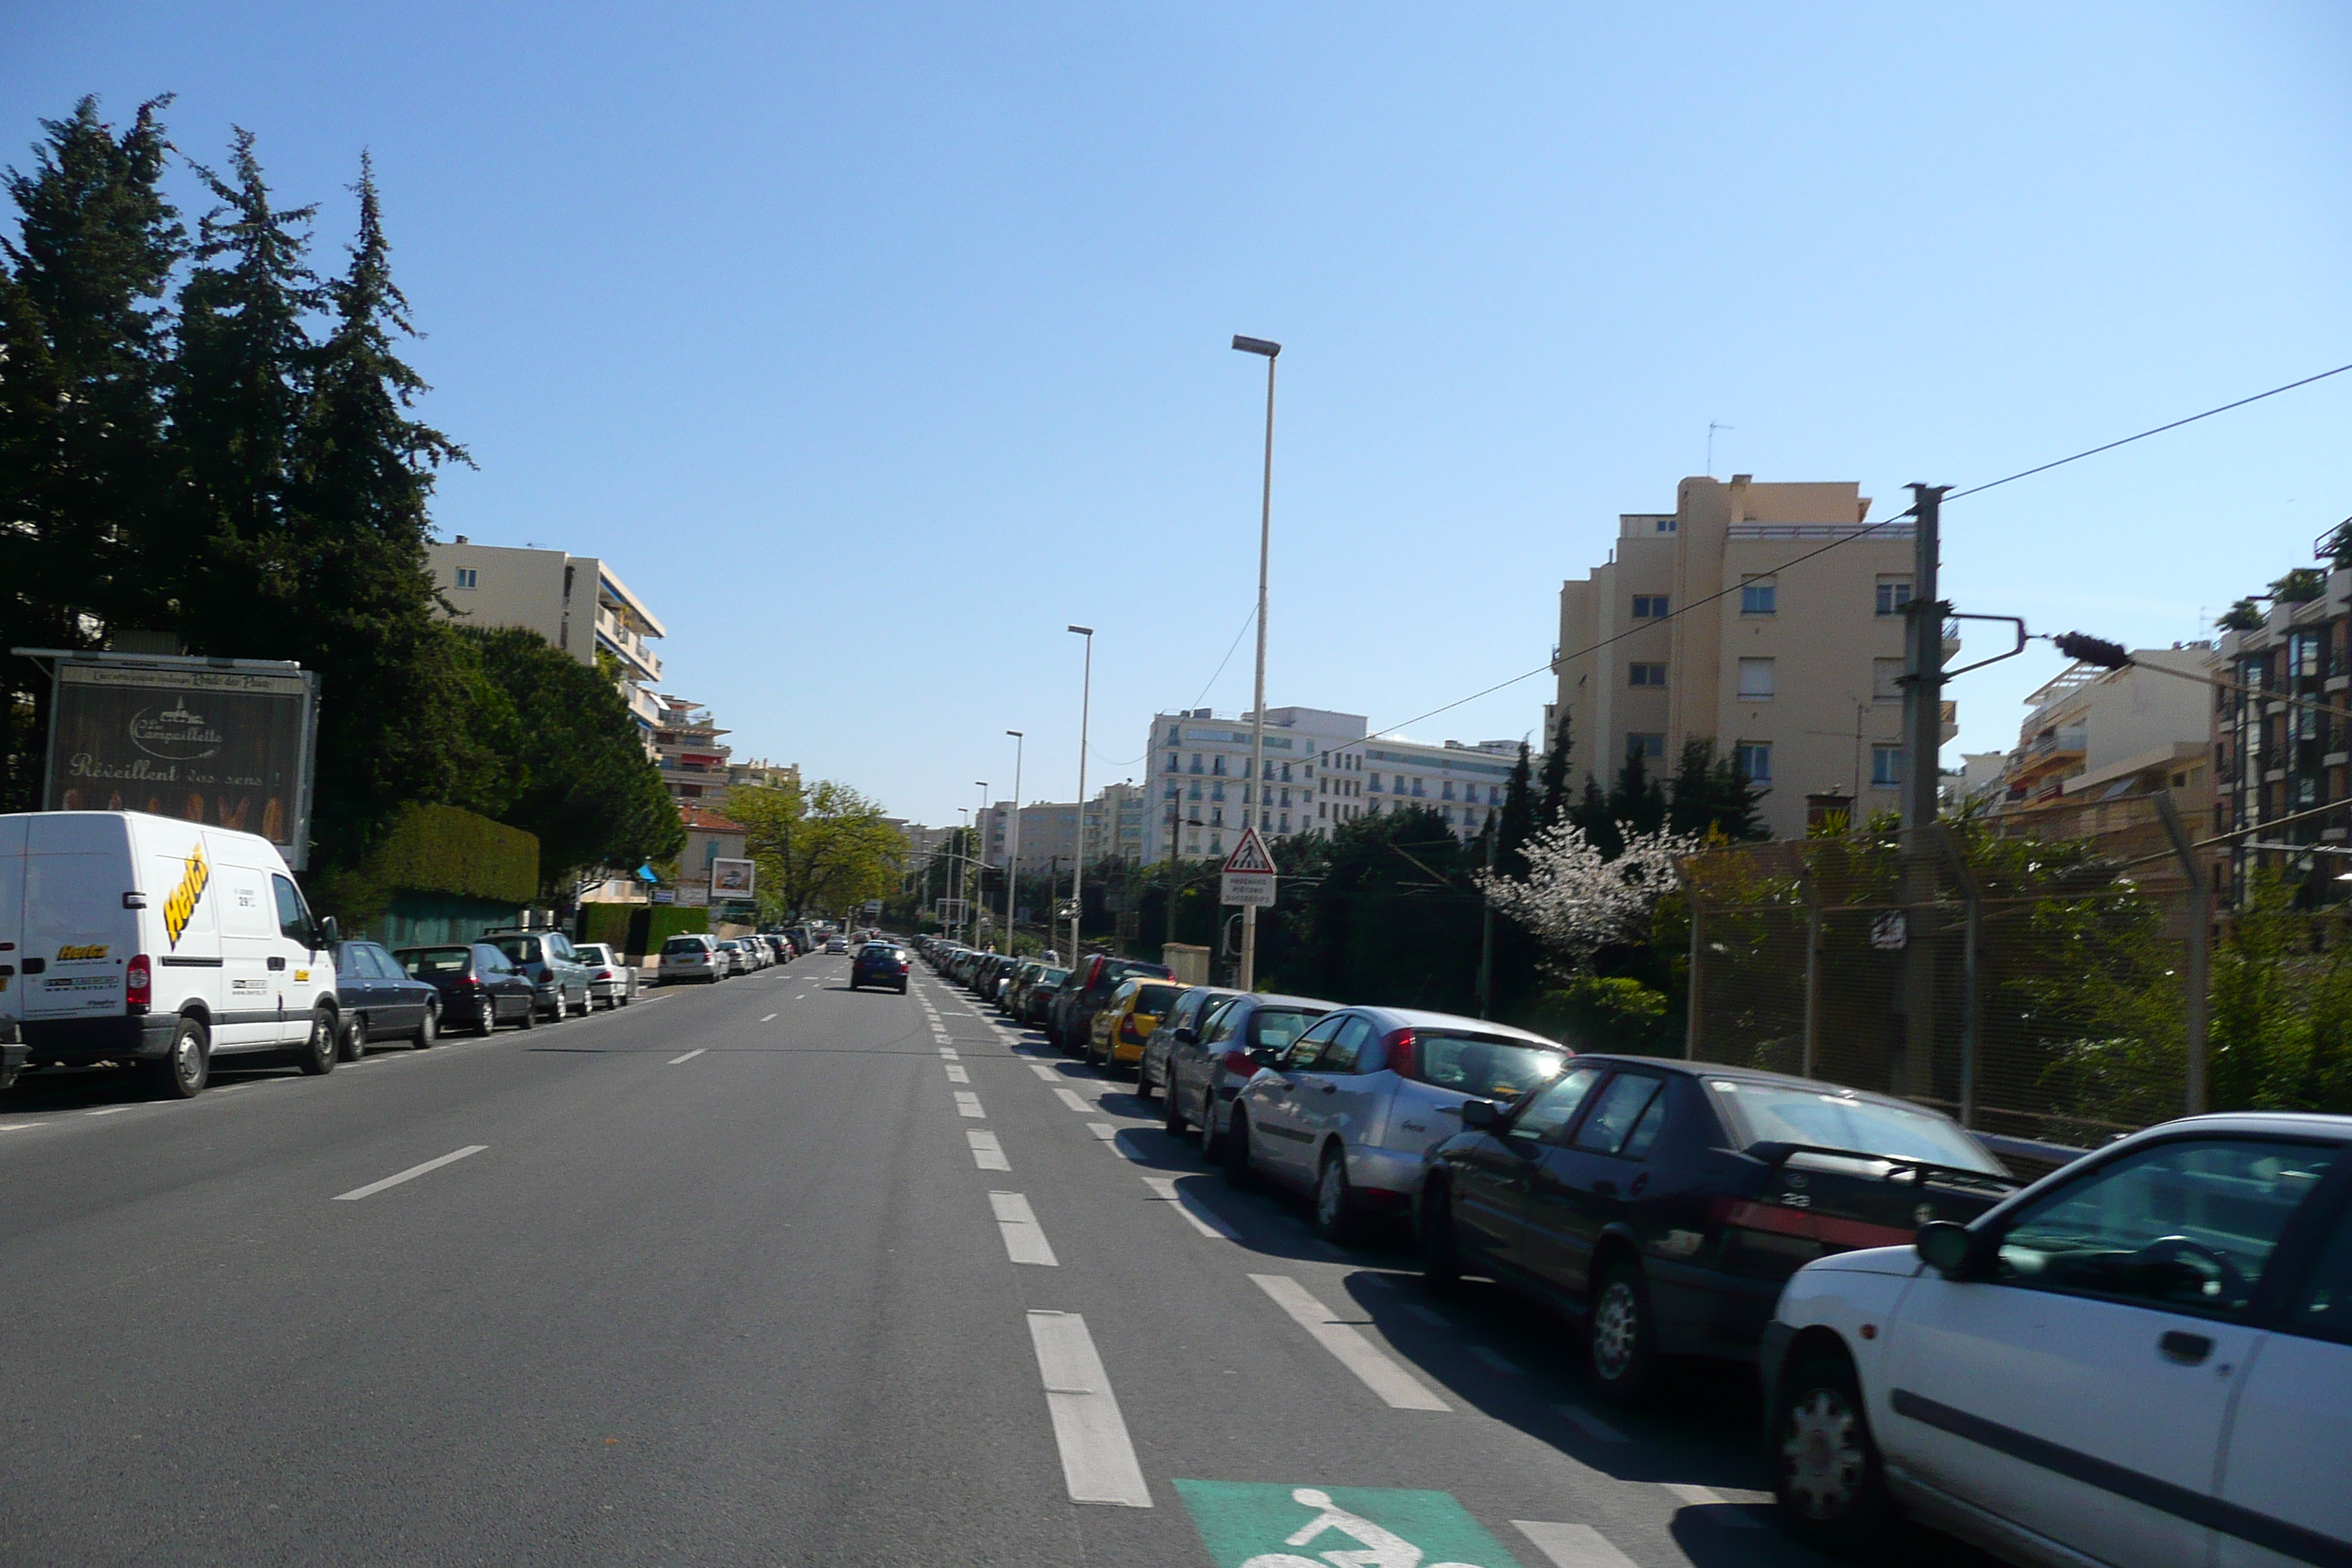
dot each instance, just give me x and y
(2036, 975)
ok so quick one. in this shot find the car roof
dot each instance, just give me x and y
(1689, 1069)
(1417, 1018)
(2306, 1122)
(1276, 999)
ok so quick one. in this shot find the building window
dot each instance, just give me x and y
(1373, 783)
(1446, 790)
(1196, 762)
(1885, 766)
(1886, 678)
(1893, 592)
(1216, 791)
(1217, 816)
(1756, 680)
(1646, 675)
(1418, 790)
(1649, 606)
(468, 578)
(1759, 598)
(1217, 763)
(1755, 759)
(1650, 746)
(1665, 525)
(1173, 764)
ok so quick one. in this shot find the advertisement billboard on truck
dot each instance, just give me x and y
(227, 742)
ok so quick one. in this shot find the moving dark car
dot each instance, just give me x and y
(480, 987)
(380, 1002)
(1665, 1203)
(880, 964)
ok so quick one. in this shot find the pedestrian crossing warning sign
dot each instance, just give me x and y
(1249, 873)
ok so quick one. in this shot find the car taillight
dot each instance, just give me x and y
(1237, 1062)
(1126, 1028)
(1400, 1053)
(138, 984)
(603, 975)
(465, 983)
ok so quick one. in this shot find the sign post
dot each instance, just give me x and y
(1248, 877)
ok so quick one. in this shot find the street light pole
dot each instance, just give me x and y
(1254, 797)
(956, 857)
(1078, 862)
(1013, 850)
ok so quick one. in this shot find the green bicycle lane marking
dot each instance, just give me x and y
(1255, 1525)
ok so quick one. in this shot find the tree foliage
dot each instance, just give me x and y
(822, 848)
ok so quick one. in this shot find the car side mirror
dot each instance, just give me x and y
(330, 931)
(1266, 1057)
(1184, 1034)
(1946, 1247)
(1481, 1115)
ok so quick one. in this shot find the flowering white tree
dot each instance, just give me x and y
(1575, 899)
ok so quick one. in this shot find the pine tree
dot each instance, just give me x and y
(1517, 824)
(1594, 814)
(1555, 797)
(1636, 799)
(83, 350)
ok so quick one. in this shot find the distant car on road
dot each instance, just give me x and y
(610, 981)
(691, 956)
(2142, 1358)
(480, 987)
(880, 964)
(380, 1001)
(837, 942)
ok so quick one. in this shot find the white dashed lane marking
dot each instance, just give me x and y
(956, 1074)
(986, 1152)
(1196, 1215)
(1721, 1508)
(769, 1019)
(410, 1174)
(1045, 1072)
(1395, 1386)
(689, 1056)
(1070, 1098)
(968, 1104)
(1024, 1239)
(1098, 1463)
(1571, 1546)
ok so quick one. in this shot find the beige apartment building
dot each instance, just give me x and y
(1795, 668)
(576, 602)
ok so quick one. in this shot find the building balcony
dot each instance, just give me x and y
(2059, 743)
(635, 654)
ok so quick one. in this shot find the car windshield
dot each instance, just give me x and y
(424, 960)
(518, 949)
(1053, 977)
(1274, 1028)
(1492, 1067)
(1792, 1114)
(1152, 1000)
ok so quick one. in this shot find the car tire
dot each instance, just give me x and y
(1235, 1150)
(182, 1074)
(530, 1019)
(902, 989)
(320, 1047)
(1335, 1197)
(1622, 1335)
(353, 1045)
(429, 1030)
(1172, 1117)
(1827, 1477)
(1143, 1081)
(562, 1008)
(1441, 1251)
(486, 1020)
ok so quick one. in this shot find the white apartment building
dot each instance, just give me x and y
(1714, 629)
(1321, 769)
(2092, 733)
(1049, 830)
(576, 602)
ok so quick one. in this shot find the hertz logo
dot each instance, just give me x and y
(68, 954)
(181, 906)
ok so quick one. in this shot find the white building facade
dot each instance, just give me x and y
(576, 602)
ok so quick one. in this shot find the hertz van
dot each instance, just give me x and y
(152, 941)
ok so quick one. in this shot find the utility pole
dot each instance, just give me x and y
(1013, 851)
(1254, 797)
(1486, 930)
(1078, 862)
(1923, 741)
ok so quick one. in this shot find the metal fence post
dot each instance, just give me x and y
(2194, 982)
(1972, 945)
(1691, 988)
(1812, 1036)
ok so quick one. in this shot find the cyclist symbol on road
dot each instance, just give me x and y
(1382, 1547)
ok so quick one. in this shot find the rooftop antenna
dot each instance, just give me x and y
(1711, 428)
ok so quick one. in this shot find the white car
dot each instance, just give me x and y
(2144, 1359)
(132, 938)
(610, 981)
(691, 956)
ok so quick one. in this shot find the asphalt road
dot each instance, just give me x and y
(771, 1273)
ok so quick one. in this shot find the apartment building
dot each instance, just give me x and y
(2092, 733)
(1714, 629)
(687, 748)
(1049, 830)
(576, 602)
(2275, 761)
(1321, 769)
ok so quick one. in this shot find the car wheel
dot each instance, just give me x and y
(1624, 1339)
(1827, 1477)
(319, 1047)
(852, 984)
(1235, 1146)
(1440, 1256)
(1143, 1081)
(355, 1039)
(1335, 1201)
(562, 1007)
(530, 1019)
(485, 1019)
(429, 1029)
(1171, 1116)
(184, 1074)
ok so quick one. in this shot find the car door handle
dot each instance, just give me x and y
(276, 964)
(2185, 1348)
(1639, 1183)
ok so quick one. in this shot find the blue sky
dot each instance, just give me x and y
(875, 343)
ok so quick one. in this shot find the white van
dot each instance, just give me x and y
(126, 937)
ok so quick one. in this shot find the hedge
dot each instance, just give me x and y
(442, 850)
(639, 928)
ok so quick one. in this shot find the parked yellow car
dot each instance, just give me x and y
(1128, 1019)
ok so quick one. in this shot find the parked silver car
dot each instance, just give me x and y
(1350, 1108)
(610, 981)
(1234, 1041)
(694, 956)
(558, 977)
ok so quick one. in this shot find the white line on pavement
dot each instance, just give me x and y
(769, 1019)
(1494, 1360)
(1396, 1387)
(986, 1152)
(410, 1174)
(1204, 1220)
(1572, 1545)
(1102, 1130)
(15, 1126)
(949, 1052)
(968, 1104)
(689, 1056)
(1024, 1239)
(109, 1111)
(1591, 1426)
(1730, 1510)
(956, 1074)
(1042, 1071)
(1070, 1098)
(1099, 1462)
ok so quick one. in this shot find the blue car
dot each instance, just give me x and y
(880, 964)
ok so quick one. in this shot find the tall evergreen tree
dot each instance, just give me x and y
(1594, 814)
(1712, 794)
(1516, 823)
(1636, 799)
(1556, 796)
(84, 345)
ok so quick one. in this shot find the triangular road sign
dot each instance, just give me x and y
(1249, 857)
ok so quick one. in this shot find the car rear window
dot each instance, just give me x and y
(678, 944)
(1787, 1113)
(1488, 1065)
(593, 953)
(521, 949)
(1152, 1000)
(422, 961)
